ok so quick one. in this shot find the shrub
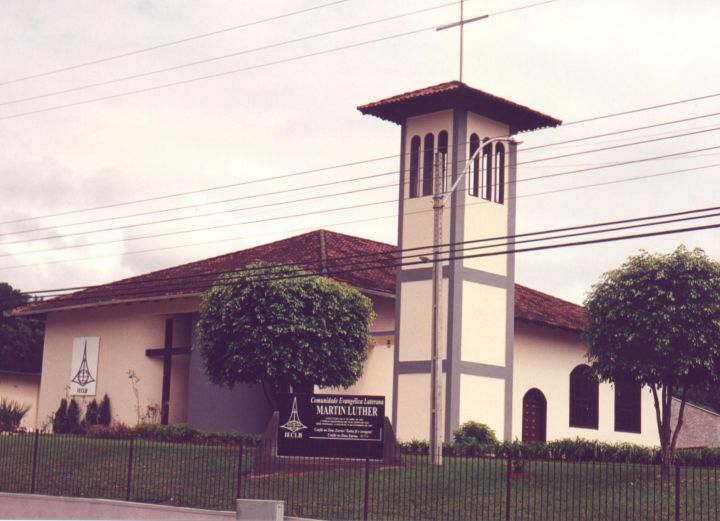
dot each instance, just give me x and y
(471, 433)
(178, 432)
(60, 419)
(73, 418)
(11, 414)
(118, 430)
(92, 416)
(104, 416)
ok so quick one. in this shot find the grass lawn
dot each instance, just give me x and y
(463, 488)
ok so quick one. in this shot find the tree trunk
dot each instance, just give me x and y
(662, 417)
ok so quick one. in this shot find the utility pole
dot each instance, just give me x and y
(436, 359)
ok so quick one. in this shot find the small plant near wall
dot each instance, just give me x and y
(134, 380)
(151, 414)
(11, 414)
(474, 433)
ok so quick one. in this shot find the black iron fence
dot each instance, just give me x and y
(403, 486)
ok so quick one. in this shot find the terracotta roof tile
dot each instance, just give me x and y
(455, 94)
(541, 308)
(362, 263)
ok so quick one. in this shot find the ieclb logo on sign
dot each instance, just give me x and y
(293, 426)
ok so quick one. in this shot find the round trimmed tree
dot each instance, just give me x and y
(283, 328)
(656, 321)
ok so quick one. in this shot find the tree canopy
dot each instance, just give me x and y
(281, 327)
(21, 339)
(656, 321)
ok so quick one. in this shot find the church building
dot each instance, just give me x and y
(512, 357)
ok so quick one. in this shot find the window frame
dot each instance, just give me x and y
(584, 398)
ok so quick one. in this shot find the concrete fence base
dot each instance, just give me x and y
(35, 506)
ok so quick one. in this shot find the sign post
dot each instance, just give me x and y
(331, 426)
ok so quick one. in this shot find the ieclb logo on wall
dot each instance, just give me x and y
(83, 370)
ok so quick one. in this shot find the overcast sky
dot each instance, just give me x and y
(572, 59)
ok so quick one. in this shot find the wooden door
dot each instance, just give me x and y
(534, 419)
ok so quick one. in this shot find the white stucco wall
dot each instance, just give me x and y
(543, 359)
(22, 388)
(484, 219)
(125, 333)
(484, 324)
(482, 399)
(414, 406)
(418, 218)
(377, 377)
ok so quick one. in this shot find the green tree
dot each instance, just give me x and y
(656, 321)
(21, 338)
(283, 328)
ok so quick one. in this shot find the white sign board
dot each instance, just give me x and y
(83, 373)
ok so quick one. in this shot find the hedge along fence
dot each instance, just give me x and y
(173, 433)
(578, 449)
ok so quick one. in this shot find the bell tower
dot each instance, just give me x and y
(442, 127)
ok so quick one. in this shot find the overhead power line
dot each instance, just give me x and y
(623, 145)
(212, 203)
(305, 172)
(353, 221)
(467, 245)
(198, 216)
(301, 214)
(233, 71)
(452, 251)
(201, 190)
(642, 109)
(169, 44)
(624, 131)
(224, 56)
(265, 205)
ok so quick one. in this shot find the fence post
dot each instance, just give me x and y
(129, 474)
(508, 486)
(34, 463)
(367, 480)
(677, 492)
(239, 470)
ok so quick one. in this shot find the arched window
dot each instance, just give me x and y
(428, 158)
(414, 165)
(534, 418)
(583, 398)
(474, 182)
(443, 151)
(487, 170)
(627, 406)
(499, 181)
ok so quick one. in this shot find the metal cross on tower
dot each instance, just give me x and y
(461, 24)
